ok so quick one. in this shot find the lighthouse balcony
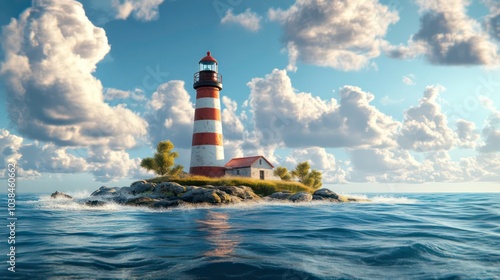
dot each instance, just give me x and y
(207, 79)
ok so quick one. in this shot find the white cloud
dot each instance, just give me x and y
(9, 147)
(493, 19)
(108, 165)
(491, 134)
(49, 158)
(50, 54)
(447, 36)
(467, 136)
(105, 11)
(114, 94)
(319, 159)
(247, 19)
(409, 79)
(232, 125)
(170, 115)
(342, 34)
(293, 54)
(34, 159)
(283, 116)
(425, 126)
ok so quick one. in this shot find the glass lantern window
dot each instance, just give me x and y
(207, 65)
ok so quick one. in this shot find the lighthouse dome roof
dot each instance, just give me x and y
(208, 58)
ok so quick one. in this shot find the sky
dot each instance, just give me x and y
(379, 95)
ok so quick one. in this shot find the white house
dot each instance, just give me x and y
(254, 167)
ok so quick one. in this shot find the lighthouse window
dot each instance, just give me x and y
(207, 65)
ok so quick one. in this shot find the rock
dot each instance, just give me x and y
(141, 187)
(141, 201)
(213, 196)
(169, 203)
(301, 197)
(169, 189)
(280, 195)
(242, 192)
(105, 191)
(318, 197)
(95, 203)
(61, 195)
(326, 193)
(141, 182)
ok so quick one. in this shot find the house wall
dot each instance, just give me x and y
(268, 173)
(244, 172)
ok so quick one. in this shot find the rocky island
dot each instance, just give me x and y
(172, 194)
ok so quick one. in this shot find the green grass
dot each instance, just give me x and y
(260, 187)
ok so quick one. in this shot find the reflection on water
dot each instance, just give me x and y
(217, 228)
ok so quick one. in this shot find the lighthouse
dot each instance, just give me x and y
(207, 150)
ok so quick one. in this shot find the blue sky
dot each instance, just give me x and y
(378, 95)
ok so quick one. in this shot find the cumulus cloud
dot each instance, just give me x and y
(319, 159)
(425, 126)
(232, 125)
(447, 36)
(283, 116)
(35, 158)
(493, 19)
(341, 34)
(50, 54)
(247, 19)
(104, 11)
(108, 165)
(170, 115)
(466, 134)
(49, 158)
(491, 134)
(117, 94)
(9, 147)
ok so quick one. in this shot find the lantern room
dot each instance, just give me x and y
(208, 75)
(208, 63)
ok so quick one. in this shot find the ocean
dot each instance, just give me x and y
(396, 236)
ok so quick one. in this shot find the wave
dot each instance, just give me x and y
(79, 198)
(383, 199)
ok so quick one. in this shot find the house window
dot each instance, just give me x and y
(237, 172)
(260, 161)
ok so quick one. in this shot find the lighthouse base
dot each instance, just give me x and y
(209, 171)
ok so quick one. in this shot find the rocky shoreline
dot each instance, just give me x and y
(171, 194)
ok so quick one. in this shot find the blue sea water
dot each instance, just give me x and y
(410, 236)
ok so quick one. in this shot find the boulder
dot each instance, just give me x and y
(105, 191)
(326, 193)
(95, 203)
(169, 203)
(61, 195)
(242, 192)
(280, 195)
(301, 197)
(141, 187)
(199, 195)
(169, 189)
(141, 201)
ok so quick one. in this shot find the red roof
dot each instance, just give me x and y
(209, 58)
(245, 162)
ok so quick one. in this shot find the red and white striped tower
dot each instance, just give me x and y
(207, 151)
